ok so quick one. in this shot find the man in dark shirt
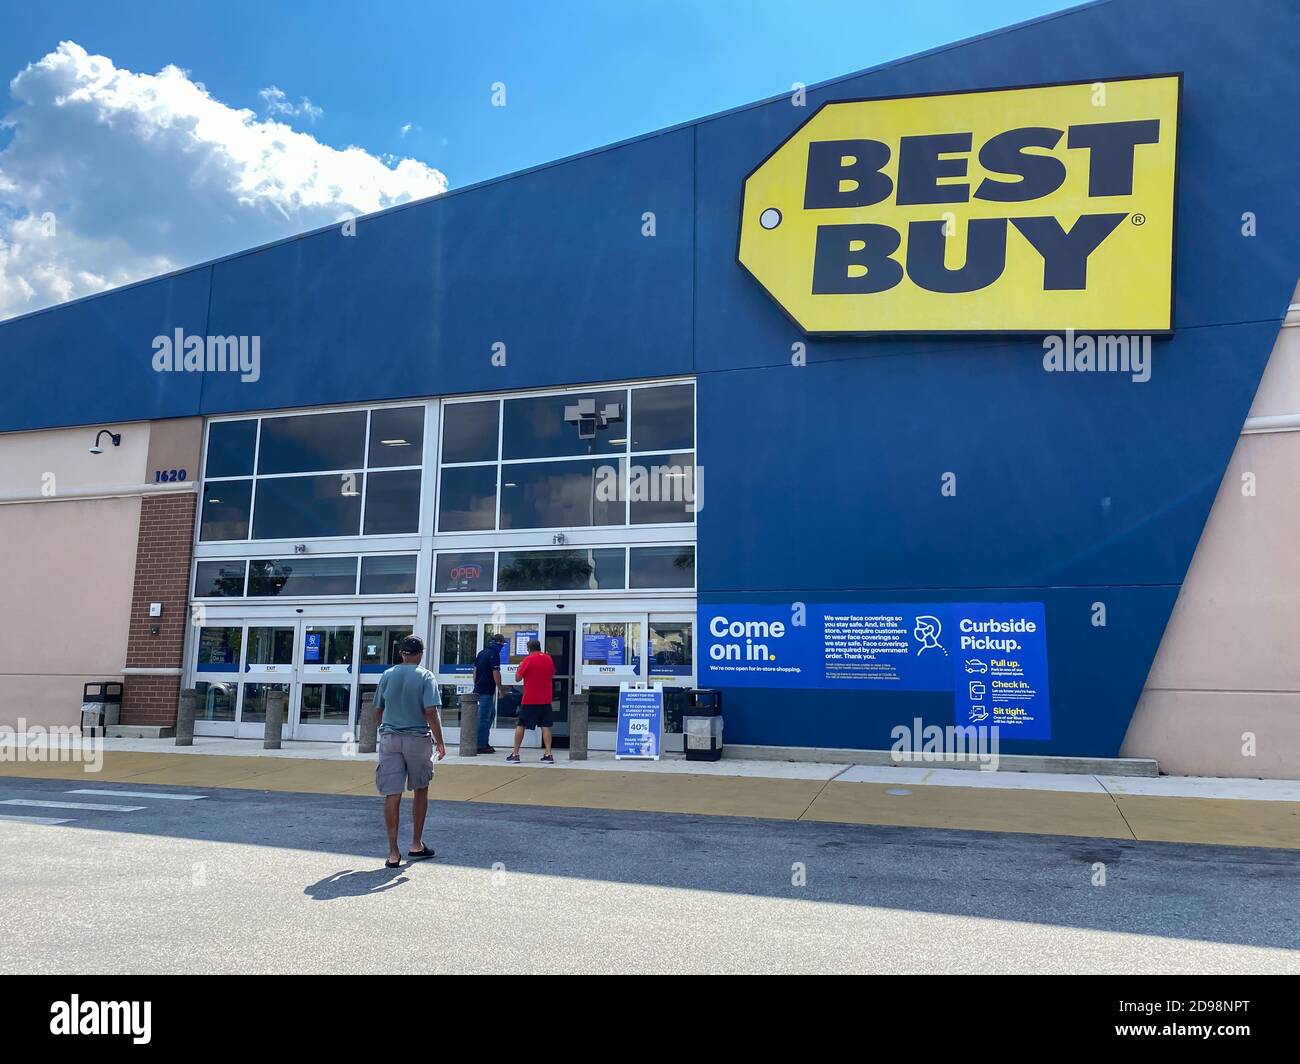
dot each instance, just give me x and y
(487, 685)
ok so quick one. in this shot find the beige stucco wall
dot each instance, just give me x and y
(1228, 668)
(65, 587)
(175, 444)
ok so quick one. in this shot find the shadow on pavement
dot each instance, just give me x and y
(1204, 893)
(351, 884)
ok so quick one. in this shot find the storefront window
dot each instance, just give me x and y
(226, 507)
(303, 575)
(469, 431)
(563, 460)
(551, 426)
(332, 453)
(563, 570)
(672, 649)
(468, 571)
(663, 419)
(392, 503)
(231, 445)
(562, 494)
(388, 574)
(396, 437)
(661, 489)
(467, 499)
(219, 579)
(661, 567)
(308, 507)
(308, 442)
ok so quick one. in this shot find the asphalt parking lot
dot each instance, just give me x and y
(137, 878)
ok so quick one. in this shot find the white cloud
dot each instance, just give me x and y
(110, 176)
(277, 103)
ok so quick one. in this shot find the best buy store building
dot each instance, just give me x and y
(758, 403)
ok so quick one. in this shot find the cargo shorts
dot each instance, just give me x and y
(405, 762)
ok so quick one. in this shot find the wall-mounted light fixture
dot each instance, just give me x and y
(589, 420)
(116, 437)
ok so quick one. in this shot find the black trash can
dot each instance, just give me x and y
(677, 704)
(702, 725)
(101, 706)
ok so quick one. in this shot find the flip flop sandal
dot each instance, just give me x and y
(423, 855)
(393, 864)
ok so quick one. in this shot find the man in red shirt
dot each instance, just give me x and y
(537, 670)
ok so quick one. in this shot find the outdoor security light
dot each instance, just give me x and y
(584, 414)
(116, 437)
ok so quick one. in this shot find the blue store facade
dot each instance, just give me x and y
(873, 476)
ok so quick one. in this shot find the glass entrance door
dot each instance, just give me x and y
(380, 640)
(519, 633)
(268, 667)
(458, 640)
(611, 651)
(322, 666)
(218, 659)
(560, 632)
(327, 652)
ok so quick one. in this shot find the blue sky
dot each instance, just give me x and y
(579, 73)
(142, 137)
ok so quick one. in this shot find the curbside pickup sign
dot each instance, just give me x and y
(992, 656)
(1035, 209)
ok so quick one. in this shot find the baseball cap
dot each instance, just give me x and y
(412, 644)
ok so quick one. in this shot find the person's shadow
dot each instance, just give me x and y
(350, 884)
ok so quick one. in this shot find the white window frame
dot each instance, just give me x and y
(627, 455)
(362, 472)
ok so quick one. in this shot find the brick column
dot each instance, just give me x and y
(162, 574)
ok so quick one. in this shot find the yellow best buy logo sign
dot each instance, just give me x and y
(1015, 210)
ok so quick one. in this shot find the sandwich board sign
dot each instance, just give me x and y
(640, 723)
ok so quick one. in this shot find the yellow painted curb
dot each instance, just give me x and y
(971, 809)
(1216, 821)
(464, 783)
(772, 799)
(1212, 821)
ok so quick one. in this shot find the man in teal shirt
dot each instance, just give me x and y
(406, 708)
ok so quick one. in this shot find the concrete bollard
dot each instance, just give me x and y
(578, 716)
(469, 725)
(275, 703)
(185, 717)
(367, 728)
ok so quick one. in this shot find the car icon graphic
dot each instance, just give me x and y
(975, 665)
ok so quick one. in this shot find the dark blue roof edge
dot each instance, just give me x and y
(689, 124)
